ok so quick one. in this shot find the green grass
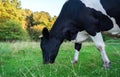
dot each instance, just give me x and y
(24, 59)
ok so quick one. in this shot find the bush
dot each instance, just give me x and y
(35, 32)
(11, 30)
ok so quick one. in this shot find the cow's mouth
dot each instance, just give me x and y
(48, 62)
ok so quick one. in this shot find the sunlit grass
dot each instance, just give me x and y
(24, 59)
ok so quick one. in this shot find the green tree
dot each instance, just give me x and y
(33, 22)
(13, 18)
(11, 30)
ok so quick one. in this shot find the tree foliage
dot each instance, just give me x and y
(37, 21)
(11, 30)
(23, 20)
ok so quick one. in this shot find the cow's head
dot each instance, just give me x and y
(49, 46)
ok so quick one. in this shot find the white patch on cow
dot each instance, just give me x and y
(95, 4)
(76, 55)
(98, 40)
(81, 36)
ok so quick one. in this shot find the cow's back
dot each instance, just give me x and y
(109, 8)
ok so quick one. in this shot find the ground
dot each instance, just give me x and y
(24, 59)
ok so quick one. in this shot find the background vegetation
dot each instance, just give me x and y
(20, 24)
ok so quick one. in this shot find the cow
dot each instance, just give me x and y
(77, 21)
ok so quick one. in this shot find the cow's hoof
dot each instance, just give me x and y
(107, 65)
(74, 62)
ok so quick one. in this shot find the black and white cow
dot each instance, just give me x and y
(79, 20)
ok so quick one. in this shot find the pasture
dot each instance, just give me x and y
(24, 59)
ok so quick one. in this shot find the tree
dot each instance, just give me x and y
(9, 9)
(33, 22)
(11, 30)
(52, 22)
(11, 20)
(16, 3)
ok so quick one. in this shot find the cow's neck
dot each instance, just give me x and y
(57, 29)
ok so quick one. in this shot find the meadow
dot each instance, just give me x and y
(24, 59)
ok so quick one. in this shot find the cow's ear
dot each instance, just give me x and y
(45, 33)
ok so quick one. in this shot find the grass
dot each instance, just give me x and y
(24, 59)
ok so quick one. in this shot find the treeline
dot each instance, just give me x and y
(21, 24)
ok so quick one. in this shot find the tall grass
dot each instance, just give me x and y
(24, 59)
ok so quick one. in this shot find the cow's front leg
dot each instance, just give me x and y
(76, 55)
(98, 40)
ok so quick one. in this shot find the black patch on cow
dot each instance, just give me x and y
(70, 34)
(112, 7)
(80, 15)
(78, 46)
(104, 22)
